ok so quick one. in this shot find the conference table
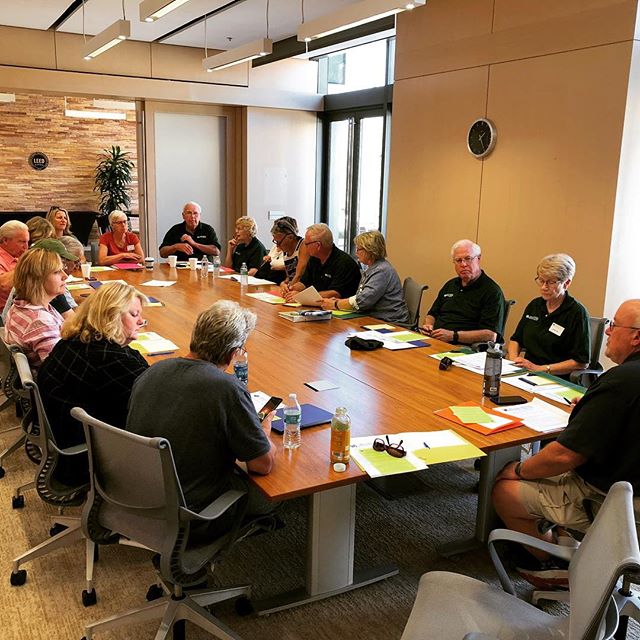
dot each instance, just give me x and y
(385, 392)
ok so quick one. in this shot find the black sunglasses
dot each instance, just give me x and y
(395, 450)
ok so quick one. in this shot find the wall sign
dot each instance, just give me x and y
(38, 161)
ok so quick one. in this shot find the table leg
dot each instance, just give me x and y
(486, 520)
(330, 553)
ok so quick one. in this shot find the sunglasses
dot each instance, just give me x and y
(395, 450)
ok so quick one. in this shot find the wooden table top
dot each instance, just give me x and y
(384, 391)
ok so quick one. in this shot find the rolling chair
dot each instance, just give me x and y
(135, 492)
(413, 291)
(483, 346)
(587, 376)
(450, 606)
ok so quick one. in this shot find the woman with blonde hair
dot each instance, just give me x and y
(119, 245)
(59, 218)
(244, 247)
(93, 367)
(379, 293)
(553, 333)
(39, 229)
(32, 323)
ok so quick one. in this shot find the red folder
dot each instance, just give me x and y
(449, 415)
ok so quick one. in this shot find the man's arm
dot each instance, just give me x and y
(261, 465)
(170, 249)
(6, 282)
(551, 461)
(209, 249)
(464, 337)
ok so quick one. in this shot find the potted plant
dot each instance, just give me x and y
(113, 177)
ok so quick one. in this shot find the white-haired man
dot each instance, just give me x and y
(14, 241)
(470, 307)
(190, 238)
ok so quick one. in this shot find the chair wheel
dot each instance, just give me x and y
(154, 592)
(243, 606)
(18, 578)
(56, 529)
(476, 464)
(1, 472)
(17, 502)
(89, 598)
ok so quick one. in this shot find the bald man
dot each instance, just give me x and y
(600, 446)
(190, 238)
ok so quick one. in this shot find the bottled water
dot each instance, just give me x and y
(241, 367)
(492, 371)
(244, 275)
(340, 436)
(292, 420)
(216, 267)
(204, 267)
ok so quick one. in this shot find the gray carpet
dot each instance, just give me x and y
(404, 531)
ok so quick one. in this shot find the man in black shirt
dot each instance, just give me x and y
(191, 238)
(334, 273)
(599, 446)
(469, 308)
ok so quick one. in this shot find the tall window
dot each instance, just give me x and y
(355, 139)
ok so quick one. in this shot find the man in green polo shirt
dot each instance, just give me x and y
(470, 307)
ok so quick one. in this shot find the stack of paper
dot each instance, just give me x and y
(267, 297)
(475, 362)
(481, 419)
(538, 415)
(396, 340)
(254, 282)
(552, 388)
(152, 344)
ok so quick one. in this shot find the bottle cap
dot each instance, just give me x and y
(339, 467)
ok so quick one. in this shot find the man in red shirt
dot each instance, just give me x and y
(14, 241)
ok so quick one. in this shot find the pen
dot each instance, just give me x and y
(566, 400)
(426, 445)
(529, 382)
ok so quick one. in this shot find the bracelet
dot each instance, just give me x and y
(517, 470)
(455, 337)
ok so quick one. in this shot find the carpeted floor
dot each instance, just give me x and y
(404, 531)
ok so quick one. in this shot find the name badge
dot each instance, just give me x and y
(556, 329)
(130, 247)
(201, 237)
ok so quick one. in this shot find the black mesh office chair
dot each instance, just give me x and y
(413, 291)
(586, 377)
(135, 492)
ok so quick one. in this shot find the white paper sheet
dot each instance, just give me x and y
(538, 415)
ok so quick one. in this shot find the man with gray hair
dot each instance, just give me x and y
(334, 273)
(469, 308)
(14, 241)
(190, 238)
(206, 414)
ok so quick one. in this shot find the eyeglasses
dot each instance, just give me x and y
(548, 283)
(465, 260)
(306, 244)
(281, 239)
(118, 222)
(395, 450)
(613, 325)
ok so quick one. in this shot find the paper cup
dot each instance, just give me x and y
(86, 269)
(148, 262)
(173, 260)
(193, 263)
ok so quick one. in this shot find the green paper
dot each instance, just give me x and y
(471, 415)
(406, 337)
(449, 354)
(570, 394)
(385, 463)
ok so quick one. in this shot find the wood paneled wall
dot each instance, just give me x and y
(37, 123)
(554, 78)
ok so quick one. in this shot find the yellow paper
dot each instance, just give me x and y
(471, 415)
(385, 463)
(449, 454)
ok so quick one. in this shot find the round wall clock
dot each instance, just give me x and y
(481, 138)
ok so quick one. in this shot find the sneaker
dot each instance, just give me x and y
(549, 577)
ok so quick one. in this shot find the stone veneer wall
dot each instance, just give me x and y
(37, 123)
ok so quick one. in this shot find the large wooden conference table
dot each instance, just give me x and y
(384, 391)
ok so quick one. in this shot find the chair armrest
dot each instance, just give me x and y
(506, 535)
(479, 635)
(576, 376)
(69, 451)
(216, 508)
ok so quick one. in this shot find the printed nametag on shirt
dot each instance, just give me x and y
(130, 247)
(556, 329)
(534, 318)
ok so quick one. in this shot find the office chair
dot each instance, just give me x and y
(449, 605)
(586, 377)
(65, 530)
(412, 292)
(135, 492)
(483, 346)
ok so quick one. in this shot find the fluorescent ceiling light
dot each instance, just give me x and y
(94, 115)
(246, 52)
(102, 103)
(7, 97)
(110, 37)
(353, 15)
(151, 10)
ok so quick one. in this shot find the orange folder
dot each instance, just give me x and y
(449, 415)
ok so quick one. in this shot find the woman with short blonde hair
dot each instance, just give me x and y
(244, 247)
(93, 367)
(119, 244)
(553, 333)
(39, 229)
(32, 323)
(59, 218)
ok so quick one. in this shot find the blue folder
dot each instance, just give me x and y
(311, 417)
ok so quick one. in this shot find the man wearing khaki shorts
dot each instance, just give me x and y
(600, 446)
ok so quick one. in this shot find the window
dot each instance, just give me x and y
(357, 68)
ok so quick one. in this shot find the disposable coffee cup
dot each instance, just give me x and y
(148, 262)
(173, 260)
(86, 270)
(193, 263)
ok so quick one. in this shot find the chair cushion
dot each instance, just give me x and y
(450, 605)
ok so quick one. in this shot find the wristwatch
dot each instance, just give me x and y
(455, 337)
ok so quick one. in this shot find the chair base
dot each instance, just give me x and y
(169, 610)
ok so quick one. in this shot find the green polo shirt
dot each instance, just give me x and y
(553, 337)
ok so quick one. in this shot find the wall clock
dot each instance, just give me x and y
(481, 138)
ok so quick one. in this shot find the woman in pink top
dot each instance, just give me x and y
(32, 323)
(119, 245)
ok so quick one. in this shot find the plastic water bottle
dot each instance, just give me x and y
(340, 436)
(204, 267)
(492, 371)
(216, 267)
(244, 275)
(241, 367)
(292, 420)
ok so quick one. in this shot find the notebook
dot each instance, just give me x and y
(311, 417)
